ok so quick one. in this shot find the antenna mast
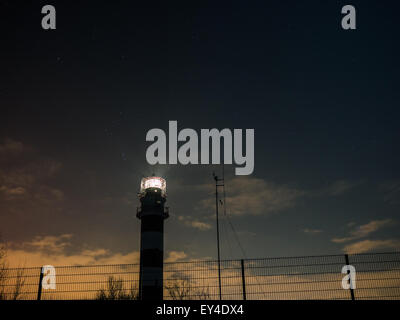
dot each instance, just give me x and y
(218, 183)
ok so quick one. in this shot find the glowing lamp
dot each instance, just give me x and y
(153, 182)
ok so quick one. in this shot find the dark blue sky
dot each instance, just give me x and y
(77, 102)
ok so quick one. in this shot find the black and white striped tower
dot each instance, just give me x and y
(152, 214)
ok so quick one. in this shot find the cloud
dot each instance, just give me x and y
(391, 190)
(254, 196)
(13, 191)
(340, 187)
(25, 183)
(365, 230)
(174, 256)
(12, 147)
(51, 250)
(47, 195)
(369, 245)
(20, 257)
(247, 233)
(193, 223)
(312, 231)
(22, 165)
(51, 244)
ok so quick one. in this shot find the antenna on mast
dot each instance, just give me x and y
(218, 183)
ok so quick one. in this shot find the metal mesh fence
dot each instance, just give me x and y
(294, 278)
(378, 276)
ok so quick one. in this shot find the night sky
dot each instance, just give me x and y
(76, 104)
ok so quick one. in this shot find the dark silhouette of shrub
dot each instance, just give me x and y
(115, 291)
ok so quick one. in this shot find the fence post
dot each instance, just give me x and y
(39, 294)
(346, 256)
(243, 280)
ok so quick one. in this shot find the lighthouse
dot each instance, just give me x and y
(152, 213)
